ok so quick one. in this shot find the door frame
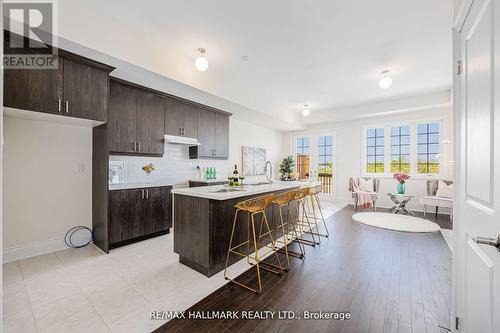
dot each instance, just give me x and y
(313, 158)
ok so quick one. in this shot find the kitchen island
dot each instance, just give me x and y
(203, 218)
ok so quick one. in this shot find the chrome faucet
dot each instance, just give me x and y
(269, 167)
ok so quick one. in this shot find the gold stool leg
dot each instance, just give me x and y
(296, 235)
(304, 214)
(275, 250)
(285, 237)
(230, 243)
(314, 219)
(321, 213)
(256, 254)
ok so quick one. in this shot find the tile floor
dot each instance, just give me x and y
(85, 290)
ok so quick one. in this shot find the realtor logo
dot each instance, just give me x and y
(30, 36)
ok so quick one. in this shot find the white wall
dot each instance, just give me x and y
(175, 164)
(349, 149)
(44, 194)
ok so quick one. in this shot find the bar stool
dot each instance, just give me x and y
(253, 207)
(313, 195)
(281, 201)
(301, 196)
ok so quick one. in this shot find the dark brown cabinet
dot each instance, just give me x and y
(33, 89)
(135, 214)
(76, 89)
(180, 118)
(136, 119)
(213, 135)
(150, 119)
(221, 137)
(85, 91)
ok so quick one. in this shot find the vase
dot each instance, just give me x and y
(401, 188)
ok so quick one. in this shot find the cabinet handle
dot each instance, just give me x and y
(142, 194)
(215, 152)
(139, 145)
(183, 132)
(59, 105)
(135, 146)
(147, 194)
(67, 107)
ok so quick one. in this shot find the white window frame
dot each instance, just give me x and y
(413, 147)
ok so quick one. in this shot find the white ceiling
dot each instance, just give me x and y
(328, 54)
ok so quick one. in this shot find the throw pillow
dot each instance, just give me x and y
(444, 191)
(365, 185)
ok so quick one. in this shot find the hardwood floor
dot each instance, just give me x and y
(388, 281)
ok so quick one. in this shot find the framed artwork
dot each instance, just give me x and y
(254, 161)
(116, 172)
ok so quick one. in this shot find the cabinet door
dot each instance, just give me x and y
(221, 144)
(189, 120)
(141, 212)
(33, 89)
(122, 118)
(121, 214)
(206, 133)
(159, 204)
(85, 91)
(150, 122)
(173, 117)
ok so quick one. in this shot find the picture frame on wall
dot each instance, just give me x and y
(116, 174)
(254, 161)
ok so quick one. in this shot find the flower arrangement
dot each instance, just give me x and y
(401, 177)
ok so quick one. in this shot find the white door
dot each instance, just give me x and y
(315, 158)
(477, 266)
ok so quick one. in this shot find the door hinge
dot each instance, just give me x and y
(457, 323)
(459, 67)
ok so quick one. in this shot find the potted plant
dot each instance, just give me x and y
(287, 169)
(401, 177)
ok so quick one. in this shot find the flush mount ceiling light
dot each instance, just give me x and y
(386, 80)
(305, 111)
(201, 62)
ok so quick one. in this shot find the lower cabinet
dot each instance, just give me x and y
(135, 214)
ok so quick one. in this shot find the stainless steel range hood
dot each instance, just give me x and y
(181, 140)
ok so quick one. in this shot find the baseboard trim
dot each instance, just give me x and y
(36, 249)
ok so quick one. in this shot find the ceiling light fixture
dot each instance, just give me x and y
(201, 62)
(386, 80)
(305, 111)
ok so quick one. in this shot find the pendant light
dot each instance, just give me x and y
(305, 111)
(201, 62)
(386, 80)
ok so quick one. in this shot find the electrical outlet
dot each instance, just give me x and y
(80, 168)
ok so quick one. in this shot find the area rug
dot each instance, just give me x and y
(396, 222)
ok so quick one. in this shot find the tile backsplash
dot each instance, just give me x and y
(175, 166)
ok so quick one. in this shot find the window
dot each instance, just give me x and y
(414, 148)
(302, 151)
(325, 162)
(400, 149)
(375, 151)
(428, 148)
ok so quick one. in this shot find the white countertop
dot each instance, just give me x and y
(209, 192)
(156, 183)
(208, 181)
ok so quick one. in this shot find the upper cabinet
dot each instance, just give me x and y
(213, 135)
(135, 120)
(181, 119)
(85, 91)
(77, 88)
